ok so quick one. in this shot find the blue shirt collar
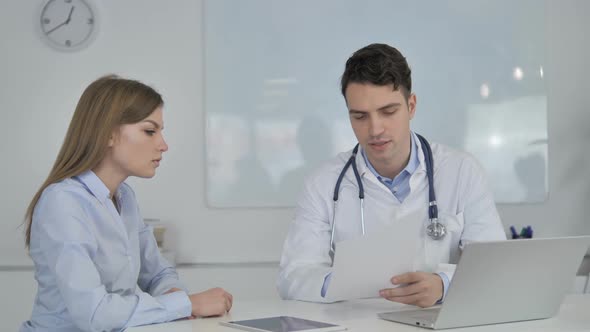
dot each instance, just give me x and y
(95, 185)
(410, 168)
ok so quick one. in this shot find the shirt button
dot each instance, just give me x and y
(129, 258)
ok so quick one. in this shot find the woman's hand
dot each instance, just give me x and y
(212, 302)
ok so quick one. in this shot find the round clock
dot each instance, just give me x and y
(68, 25)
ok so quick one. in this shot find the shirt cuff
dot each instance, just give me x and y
(445, 280)
(165, 285)
(177, 304)
(326, 283)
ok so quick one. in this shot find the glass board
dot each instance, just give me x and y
(274, 110)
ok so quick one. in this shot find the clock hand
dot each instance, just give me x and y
(67, 21)
(70, 15)
(56, 27)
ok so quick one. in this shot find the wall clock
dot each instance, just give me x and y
(68, 25)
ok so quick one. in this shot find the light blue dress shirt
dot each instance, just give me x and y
(400, 188)
(400, 185)
(96, 269)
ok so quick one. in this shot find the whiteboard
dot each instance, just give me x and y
(274, 109)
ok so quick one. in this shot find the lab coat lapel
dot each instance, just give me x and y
(366, 173)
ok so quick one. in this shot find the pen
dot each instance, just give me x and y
(513, 231)
(529, 232)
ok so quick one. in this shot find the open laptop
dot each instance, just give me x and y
(504, 281)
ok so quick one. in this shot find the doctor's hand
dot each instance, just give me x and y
(212, 302)
(417, 288)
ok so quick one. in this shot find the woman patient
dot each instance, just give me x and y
(97, 264)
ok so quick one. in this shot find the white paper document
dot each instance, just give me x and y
(365, 265)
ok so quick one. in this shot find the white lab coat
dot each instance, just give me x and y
(465, 206)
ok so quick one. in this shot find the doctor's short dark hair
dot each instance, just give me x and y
(378, 64)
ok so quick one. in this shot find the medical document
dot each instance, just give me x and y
(365, 265)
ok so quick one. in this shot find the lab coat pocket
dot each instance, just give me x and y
(445, 250)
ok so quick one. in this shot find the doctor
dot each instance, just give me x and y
(392, 166)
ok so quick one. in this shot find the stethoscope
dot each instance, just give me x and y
(435, 229)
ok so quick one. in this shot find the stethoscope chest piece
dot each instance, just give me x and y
(436, 230)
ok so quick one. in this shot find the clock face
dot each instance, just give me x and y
(68, 25)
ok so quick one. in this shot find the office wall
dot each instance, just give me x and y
(162, 45)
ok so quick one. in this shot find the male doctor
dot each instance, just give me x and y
(377, 88)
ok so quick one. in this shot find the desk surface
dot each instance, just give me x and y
(360, 315)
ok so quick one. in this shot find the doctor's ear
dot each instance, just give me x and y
(412, 105)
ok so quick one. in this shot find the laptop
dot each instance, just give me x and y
(504, 281)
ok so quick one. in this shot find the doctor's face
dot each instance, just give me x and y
(380, 118)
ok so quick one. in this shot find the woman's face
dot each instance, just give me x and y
(136, 149)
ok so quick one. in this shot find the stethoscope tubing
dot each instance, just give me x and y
(435, 229)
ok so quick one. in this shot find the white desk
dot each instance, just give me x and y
(360, 315)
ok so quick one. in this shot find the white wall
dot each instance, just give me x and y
(161, 44)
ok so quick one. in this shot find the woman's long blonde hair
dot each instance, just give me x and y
(106, 104)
